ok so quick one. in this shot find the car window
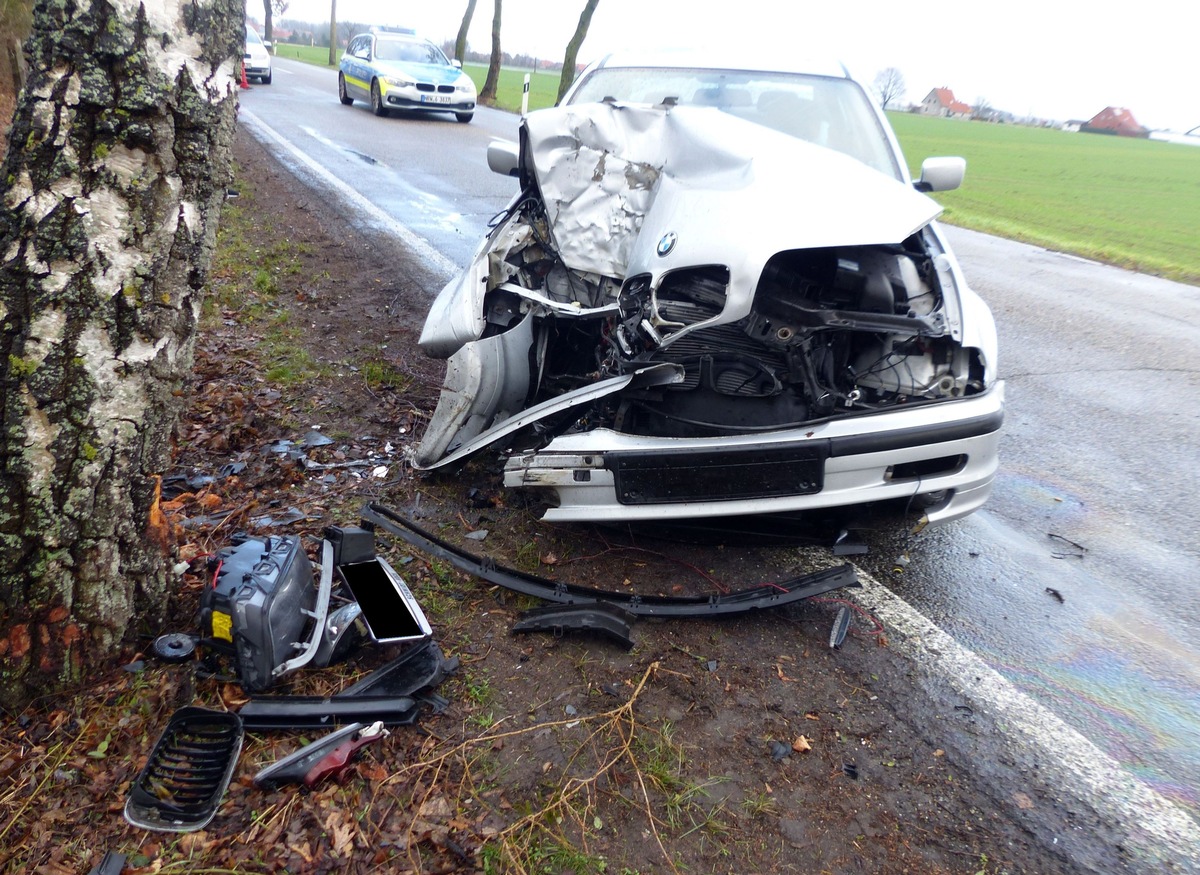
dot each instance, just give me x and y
(829, 112)
(253, 37)
(412, 52)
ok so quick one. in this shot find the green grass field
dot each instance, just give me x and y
(1133, 203)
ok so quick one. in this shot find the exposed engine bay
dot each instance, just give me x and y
(672, 272)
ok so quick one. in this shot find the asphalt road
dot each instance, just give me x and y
(1078, 582)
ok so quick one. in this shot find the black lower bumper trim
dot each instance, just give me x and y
(772, 595)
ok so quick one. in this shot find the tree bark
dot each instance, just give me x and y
(333, 58)
(488, 94)
(568, 70)
(268, 19)
(460, 44)
(118, 159)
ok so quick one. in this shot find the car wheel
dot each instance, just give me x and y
(266, 80)
(377, 106)
(345, 98)
(464, 117)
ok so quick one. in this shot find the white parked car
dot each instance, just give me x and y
(718, 293)
(257, 57)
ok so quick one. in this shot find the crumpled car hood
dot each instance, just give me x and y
(615, 178)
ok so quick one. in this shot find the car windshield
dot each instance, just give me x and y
(407, 50)
(253, 37)
(829, 112)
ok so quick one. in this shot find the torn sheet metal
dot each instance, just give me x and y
(616, 177)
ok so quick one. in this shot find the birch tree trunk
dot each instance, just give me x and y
(118, 158)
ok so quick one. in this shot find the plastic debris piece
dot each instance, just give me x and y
(174, 647)
(1055, 594)
(779, 750)
(850, 770)
(187, 773)
(846, 544)
(477, 535)
(711, 665)
(841, 625)
(315, 439)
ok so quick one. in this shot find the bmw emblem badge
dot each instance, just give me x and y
(666, 243)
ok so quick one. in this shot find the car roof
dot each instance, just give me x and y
(726, 59)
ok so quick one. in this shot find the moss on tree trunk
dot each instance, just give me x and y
(117, 164)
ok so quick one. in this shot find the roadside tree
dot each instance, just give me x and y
(889, 86)
(568, 70)
(270, 8)
(118, 161)
(488, 94)
(460, 44)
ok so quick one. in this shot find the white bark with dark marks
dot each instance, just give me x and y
(117, 165)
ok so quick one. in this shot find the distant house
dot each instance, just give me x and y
(1073, 126)
(941, 102)
(1114, 120)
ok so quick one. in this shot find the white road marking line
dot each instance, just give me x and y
(421, 248)
(1157, 827)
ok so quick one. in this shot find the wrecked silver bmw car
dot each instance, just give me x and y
(718, 293)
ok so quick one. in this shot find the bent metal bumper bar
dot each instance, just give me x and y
(769, 595)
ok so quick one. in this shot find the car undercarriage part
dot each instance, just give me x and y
(611, 621)
(259, 603)
(326, 756)
(321, 712)
(771, 595)
(394, 694)
(187, 773)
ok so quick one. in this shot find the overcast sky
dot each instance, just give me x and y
(1044, 57)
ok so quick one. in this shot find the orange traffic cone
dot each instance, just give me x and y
(245, 84)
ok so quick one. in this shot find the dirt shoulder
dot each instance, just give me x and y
(743, 745)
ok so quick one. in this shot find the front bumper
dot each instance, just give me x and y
(411, 98)
(946, 448)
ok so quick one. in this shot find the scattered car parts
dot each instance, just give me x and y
(772, 595)
(326, 756)
(395, 694)
(259, 602)
(611, 621)
(187, 773)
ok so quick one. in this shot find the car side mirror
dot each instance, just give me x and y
(503, 157)
(267, 44)
(941, 174)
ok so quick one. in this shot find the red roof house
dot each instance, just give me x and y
(1114, 120)
(942, 102)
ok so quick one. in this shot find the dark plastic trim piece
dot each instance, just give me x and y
(771, 595)
(610, 621)
(187, 773)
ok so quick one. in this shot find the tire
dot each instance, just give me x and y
(464, 117)
(377, 106)
(266, 80)
(345, 98)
